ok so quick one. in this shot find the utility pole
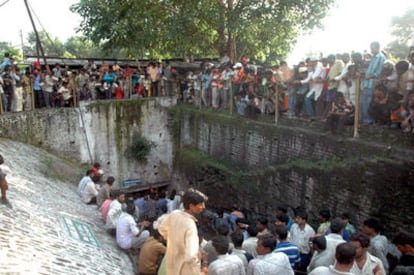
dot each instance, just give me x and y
(39, 44)
(21, 40)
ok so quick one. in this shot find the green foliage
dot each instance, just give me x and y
(14, 52)
(199, 28)
(139, 148)
(403, 30)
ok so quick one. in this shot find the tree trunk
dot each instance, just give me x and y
(231, 48)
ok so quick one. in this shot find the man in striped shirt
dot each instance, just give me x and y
(291, 250)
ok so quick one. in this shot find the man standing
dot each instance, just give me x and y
(180, 231)
(225, 263)
(300, 234)
(345, 255)
(315, 78)
(287, 247)
(250, 244)
(334, 238)
(270, 262)
(373, 72)
(378, 243)
(365, 263)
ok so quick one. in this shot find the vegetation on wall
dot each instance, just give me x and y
(139, 148)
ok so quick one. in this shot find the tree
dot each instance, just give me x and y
(171, 28)
(15, 53)
(51, 47)
(403, 30)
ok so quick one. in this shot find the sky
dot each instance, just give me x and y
(52, 16)
(350, 25)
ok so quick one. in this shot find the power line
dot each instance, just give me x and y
(4, 3)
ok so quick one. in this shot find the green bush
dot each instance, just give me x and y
(139, 148)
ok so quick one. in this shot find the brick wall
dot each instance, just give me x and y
(258, 165)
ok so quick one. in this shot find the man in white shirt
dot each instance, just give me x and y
(320, 256)
(345, 255)
(250, 244)
(89, 193)
(365, 263)
(334, 238)
(378, 245)
(300, 234)
(315, 79)
(269, 263)
(82, 183)
(114, 213)
(129, 234)
(225, 263)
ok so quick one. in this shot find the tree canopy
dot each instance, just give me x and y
(261, 29)
(403, 31)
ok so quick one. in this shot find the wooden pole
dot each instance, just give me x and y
(276, 105)
(37, 34)
(32, 95)
(231, 98)
(1, 104)
(357, 105)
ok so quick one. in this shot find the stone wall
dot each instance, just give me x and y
(258, 165)
(101, 132)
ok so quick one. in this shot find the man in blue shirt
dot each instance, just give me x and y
(283, 245)
(372, 73)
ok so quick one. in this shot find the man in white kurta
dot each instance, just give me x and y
(180, 231)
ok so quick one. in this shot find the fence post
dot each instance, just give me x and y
(231, 98)
(277, 105)
(357, 105)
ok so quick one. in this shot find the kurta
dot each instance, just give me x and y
(180, 231)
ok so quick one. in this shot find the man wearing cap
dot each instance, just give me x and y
(238, 78)
(315, 80)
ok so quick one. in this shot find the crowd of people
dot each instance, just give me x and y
(60, 86)
(170, 235)
(320, 88)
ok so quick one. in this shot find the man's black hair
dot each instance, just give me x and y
(282, 232)
(374, 224)
(345, 253)
(193, 196)
(337, 225)
(268, 241)
(237, 238)
(221, 244)
(283, 218)
(360, 237)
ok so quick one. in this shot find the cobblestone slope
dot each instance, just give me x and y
(49, 230)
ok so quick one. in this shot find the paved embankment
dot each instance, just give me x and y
(49, 230)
